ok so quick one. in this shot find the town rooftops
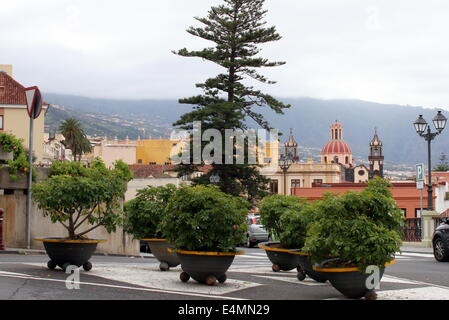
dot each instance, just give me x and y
(11, 92)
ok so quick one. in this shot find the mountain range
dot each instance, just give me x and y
(309, 118)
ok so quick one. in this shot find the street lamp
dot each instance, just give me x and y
(285, 161)
(439, 121)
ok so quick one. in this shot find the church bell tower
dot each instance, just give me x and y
(376, 158)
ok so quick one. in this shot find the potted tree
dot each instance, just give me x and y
(353, 232)
(143, 215)
(81, 199)
(276, 212)
(205, 225)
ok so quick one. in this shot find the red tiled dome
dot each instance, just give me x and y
(336, 146)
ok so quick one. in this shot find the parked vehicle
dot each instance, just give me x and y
(256, 232)
(440, 241)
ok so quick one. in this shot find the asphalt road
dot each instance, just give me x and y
(414, 276)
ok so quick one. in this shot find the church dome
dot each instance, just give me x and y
(336, 149)
(337, 146)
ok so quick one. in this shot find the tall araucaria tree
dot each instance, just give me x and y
(237, 29)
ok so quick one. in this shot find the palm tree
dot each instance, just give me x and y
(75, 138)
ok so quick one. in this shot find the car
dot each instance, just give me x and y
(256, 232)
(440, 241)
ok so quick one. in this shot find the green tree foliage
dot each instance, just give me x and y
(237, 29)
(360, 229)
(295, 224)
(443, 165)
(73, 195)
(144, 213)
(19, 165)
(274, 207)
(75, 138)
(202, 218)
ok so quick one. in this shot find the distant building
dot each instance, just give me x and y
(112, 150)
(336, 150)
(14, 117)
(336, 164)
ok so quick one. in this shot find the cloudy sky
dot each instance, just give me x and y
(379, 50)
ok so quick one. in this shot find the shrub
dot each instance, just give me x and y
(89, 195)
(358, 228)
(295, 224)
(144, 213)
(19, 165)
(202, 218)
(272, 208)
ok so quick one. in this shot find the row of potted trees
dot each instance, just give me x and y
(337, 238)
(200, 227)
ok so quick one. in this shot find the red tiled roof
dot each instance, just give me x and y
(11, 92)
(336, 146)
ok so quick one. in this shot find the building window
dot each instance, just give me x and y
(361, 173)
(325, 159)
(274, 188)
(139, 161)
(296, 183)
(318, 181)
(152, 163)
(1, 123)
(347, 160)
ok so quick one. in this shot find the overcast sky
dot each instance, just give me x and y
(383, 51)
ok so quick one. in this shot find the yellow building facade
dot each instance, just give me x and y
(14, 117)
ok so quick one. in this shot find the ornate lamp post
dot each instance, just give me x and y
(439, 121)
(285, 161)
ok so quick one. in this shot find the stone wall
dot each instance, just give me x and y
(14, 224)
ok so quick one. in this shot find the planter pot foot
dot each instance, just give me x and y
(222, 279)
(211, 280)
(301, 275)
(87, 266)
(51, 265)
(276, 268)
(371, 295)
(184, 276)
(163, 266)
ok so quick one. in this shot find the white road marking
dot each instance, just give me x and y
(415, 254)
(81, 283)
(423, 293)
(306, 282)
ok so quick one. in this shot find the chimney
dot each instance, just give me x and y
(6, 68)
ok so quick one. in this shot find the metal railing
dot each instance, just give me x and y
(412, 231)
(438, 221)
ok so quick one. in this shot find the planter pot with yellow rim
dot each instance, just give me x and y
(351, 282)
(65, 253)
(205, 267)
(160, 249)
(306, 267)
(281, 258)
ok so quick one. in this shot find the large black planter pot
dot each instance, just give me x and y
(64, 253)
(306, 267)
(351, 282)
(159, 248)
(205, 267)
(281, 258)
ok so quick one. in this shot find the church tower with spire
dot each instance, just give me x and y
(376, 158)
(291, 148)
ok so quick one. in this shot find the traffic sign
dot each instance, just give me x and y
(420, 185)
(34, 102)
(420, 172)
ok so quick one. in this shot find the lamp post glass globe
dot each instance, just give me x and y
(420, 125)
(439, 121)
